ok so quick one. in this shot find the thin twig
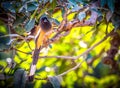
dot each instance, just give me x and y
(22, 51)
(72, 69)
(59, 57)
(27, 43)
(86, 52)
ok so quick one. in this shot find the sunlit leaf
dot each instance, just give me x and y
(53, 4)
(29, 25)
(18, 43)
(4, 39)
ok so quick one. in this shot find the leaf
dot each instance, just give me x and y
(81, 16)
(103, 2)
(18, 43)
(108, 16)
(20, 78)
(29, 25)
(3, 38)
(54, 2)
(19, 20)
(23, 8)
(19, 30)
(41, 69)
(54, 81)
(8, 6)
(116, 21)
(32, 6)
(111, 5)
(73, 2)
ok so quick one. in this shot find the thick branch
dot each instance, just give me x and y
(84, 53)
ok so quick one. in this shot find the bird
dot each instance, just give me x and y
(41, 37)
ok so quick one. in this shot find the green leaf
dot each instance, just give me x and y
(18, 43)
(73, 2)
(111, 4)
(54, 2)
(41, 69)
(3, 38)
(8, 6)
(23, 8)
(19, 30)
(81, 16)
(20, 78)
(54, 81)
(103, 2)
(32, 6)
(116, 21)
(29, 25)
(19, 20)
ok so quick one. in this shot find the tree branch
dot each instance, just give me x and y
(84, 53)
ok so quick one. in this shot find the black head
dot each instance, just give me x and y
(45, 24)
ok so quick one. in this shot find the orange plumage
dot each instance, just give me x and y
(41, 38)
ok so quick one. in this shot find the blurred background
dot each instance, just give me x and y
(97, 69)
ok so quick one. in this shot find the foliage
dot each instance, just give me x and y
(83, 50)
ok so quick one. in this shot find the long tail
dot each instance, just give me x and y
(33, 65)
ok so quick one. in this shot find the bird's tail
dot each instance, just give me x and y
(33, 65)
